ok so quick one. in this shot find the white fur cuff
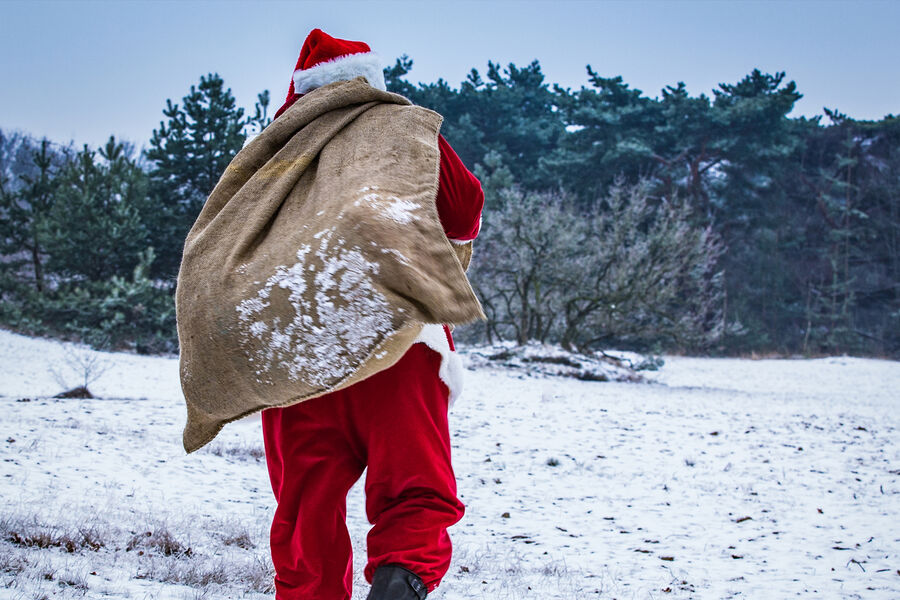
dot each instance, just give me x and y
(451, 370)
(461, 242)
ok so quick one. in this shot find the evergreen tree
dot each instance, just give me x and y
(393, 77)
(189, 152)
(683, 144)
(610, 134)
(260, 119)
(748, 197)
(848, 266)
(93, 230)
(25, 204)
(513, 112)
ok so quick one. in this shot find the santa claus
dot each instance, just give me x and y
(393, 422)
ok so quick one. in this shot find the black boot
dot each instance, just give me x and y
(392, 582)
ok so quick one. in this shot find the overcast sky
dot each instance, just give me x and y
(78, 70)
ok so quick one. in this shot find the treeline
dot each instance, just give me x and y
(802, 216)
(91, 240)
(613, 219)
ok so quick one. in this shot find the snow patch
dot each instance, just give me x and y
(537, 359)
(399, 255)
(389, 207)
(612, 490)
(344, 316)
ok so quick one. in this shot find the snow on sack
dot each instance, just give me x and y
(319, 324)
(317, 258)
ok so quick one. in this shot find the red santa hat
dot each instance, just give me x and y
(325, 59)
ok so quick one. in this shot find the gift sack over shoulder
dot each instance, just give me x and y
(317, 258)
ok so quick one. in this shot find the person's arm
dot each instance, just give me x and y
(460, 198)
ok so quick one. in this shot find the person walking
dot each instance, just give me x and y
(316, 286)
(394, 422)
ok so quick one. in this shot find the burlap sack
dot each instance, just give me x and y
(316, 259)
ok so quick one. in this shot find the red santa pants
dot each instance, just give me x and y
(394, 422)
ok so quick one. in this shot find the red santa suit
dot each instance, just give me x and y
(394, 423)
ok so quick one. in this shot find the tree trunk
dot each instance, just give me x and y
(38, 269)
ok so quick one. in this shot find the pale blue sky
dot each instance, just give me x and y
(79, 70)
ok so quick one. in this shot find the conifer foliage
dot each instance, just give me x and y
(27, 193)
(713, 223)
(91, 240)
(805, 213)
(188, 154)
(93, 229)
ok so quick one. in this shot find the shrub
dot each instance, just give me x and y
(632, 270)
(136, 313)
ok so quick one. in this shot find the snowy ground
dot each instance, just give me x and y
(724, 478)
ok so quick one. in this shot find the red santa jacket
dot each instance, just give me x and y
(460, 198)
(460, 201)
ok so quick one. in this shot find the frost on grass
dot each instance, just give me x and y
(244, 451)
(549, 577)
(61, 555)
(338, 312)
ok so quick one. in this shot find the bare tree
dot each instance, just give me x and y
(517, 265)
(84, 365)
(632, 270)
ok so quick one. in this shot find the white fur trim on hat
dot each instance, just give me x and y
(366, 64)
(451, 371)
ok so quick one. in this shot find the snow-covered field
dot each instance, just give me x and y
(721, 479)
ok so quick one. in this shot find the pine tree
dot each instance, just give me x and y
(189, 152)
(393, 77)
(260, 119)
(93, 230)
(513, 112)
(24, 207)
